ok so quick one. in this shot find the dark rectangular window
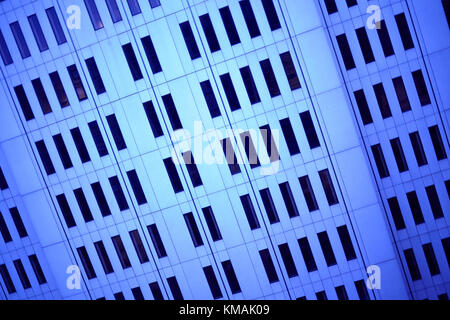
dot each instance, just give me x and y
(154, 3)
(95, 75)
(18, 222)
(210, 34)
(152, 118)
(20, 40)
(288, 260)
(56, 25)
(114, 10)
(137, 294)
(289, 70)
(37, 32)
(231, 277)
(210, 98)
(421, 87)
(380, 161)
(172, 112)
(341, 293)
(327, 249)
(212, 223)
(4, 229)
(230, 92)
(308, 193)
(192, 169)
(396, 212)
(399, 155)
(80, 145)
(269, 267)
(403, 28)
(77, 83)
(116, 132)
(65, 210)
(212, 282)
(134, 7)
(24, 103)
(229, 25)
(328, 187)
(150, 52)
(92, 10)
(86, 262)
(250, 19)
(289, 135)
(414, 205)
(193, 229)
(361, 289)
(59, 89)
(364, 43)
(103, 256)
(417, 145)
(83, 204)
(269, 77)
(438, 145)
(307, 254)
(173, 175)
(331, 6)
(271, 14)
(351, 3)
(250, 212)
(3, 183)
(346, 242)
(62, 151)
(156, 291)
(45, 157)
(139, 246)
(310, 131)
(402, 95)
(101, 199)
(157, 241)
(118, 193)
(321, 295)
(230, 156)
(432, 263)
(412, 264)
(37, 269)
(446, 245)
(250, 85)
(137, 187)
(435, 204)
(22, 274)
(189, 39)
(346, 53)
(7, 279)
(119, 296)
(269, 142)
(382, 100)
(98, 138)
(4, 51)
(132, 61)
(41, 96)
(385, 39)
(121, 252)
(250, 150)
(288, 198)
(446, 5)
(175, 288)
(269, 205)
(363, 107)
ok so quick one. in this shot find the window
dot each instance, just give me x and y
(288, 198)
(20, 39)
(103, 256)
(438, 145)
(403, 28)
(269, 142)
(81, 146)
(310, 131)
(65, 210)
(331, 6)
(156, 291)
(351, 3)
(4, 51)
(95, 75)
(250, 85)
(443, 296)
(230, 92)
(152, 118)
(361, 289)
(22, 274)
(93, 14)
(134, 7)
(327, 249)
(210, 98)
(421, 87)
(121, 252)
(229, 25)
(189, 39)
(250, 212)
(24, 103)
(399, 155)
(307, 254)
(271, 14)
(250, 150)
(116, 132)
(59, 89)
(346, 242)
(269, 205)
(289, 136)
(417, 145)
(150, 52)
(77, 83)
(396, 212)
(119, 296)
(346, 53)
(175, 288)
(45, 157)
(101, 199)
(37, 269)
(118, 193)
(114, 10)
(4, 230)
(210, 34)
(289, 70)
(192, 169)
(98, 138)
(137, 294)
(435, 204)
(154, 3)
(212, 223)
(412, 264)
(193, 229)
(83, 204)
(3, 183)
(62, 151)
(414, 205)
(7, 279)
(270, 78)
(385, 39)
(230, 156)
(382, 100)
(37, 32)
(137, 187)
(86, 262)
(432, 263)
(157, 241)
(308, 193)
(378, 155)
(171, 110)
(446, 5)
(173, 175)
(212, 282)
(133, 64)
(446, 245)
(41, 96)
(231, 277)
(341, 293)
(249, 17)
(56, 25)
(288, 260)
(363, 107)
(402, 95)
(139, 246)
(364, 43)
(15, 215)
(321, 295)
(269, 267)
(328, 187)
